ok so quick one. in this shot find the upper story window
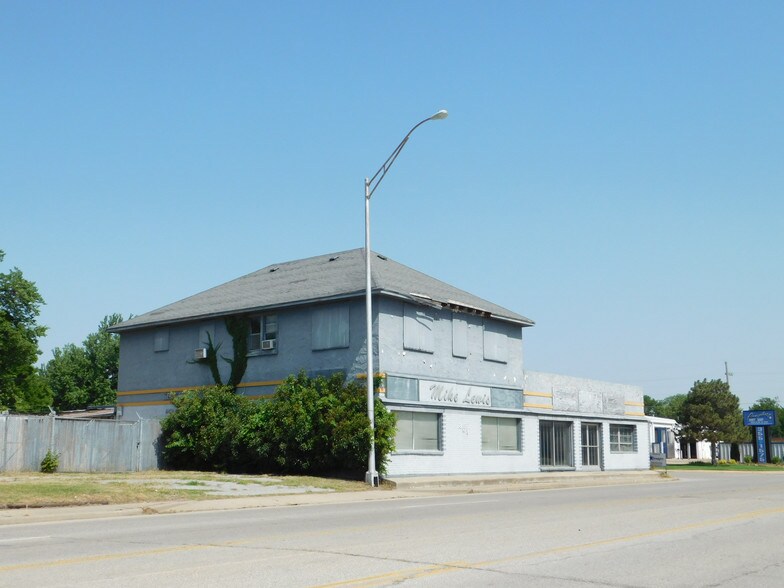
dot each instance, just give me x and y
(496, 347)
(417, 329)
(329, 327)
(263, 334)
(459, 336)
(161, 342)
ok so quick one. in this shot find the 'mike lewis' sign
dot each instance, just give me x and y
(454, 394)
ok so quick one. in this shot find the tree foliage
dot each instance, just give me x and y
(86, 375)
(669, 408)
(711, 413)
(205, 431)
(21, 389)
(320, 425)
(311, 425)
(766, 403)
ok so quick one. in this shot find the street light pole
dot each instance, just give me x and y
(371, 476)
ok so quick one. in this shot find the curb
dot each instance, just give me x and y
(403, 488)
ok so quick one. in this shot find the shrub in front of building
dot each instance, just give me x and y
(204, 431)
(310, 426)
(320, 426)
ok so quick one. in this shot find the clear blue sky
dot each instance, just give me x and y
(612, 170)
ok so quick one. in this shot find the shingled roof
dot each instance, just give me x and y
(316, 279)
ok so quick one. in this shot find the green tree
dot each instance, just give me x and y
(710, 412)
(86, 376)
(767, 403)
(21, 389)
(668, 408)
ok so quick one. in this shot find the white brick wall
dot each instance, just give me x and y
(462, 448)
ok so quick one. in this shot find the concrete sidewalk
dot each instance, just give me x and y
(393, 489)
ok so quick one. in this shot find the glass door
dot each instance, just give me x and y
(590, 445)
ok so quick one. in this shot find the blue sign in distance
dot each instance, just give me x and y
(762, 454)
(759, 418)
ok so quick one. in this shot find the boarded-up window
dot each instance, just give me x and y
(459, 336)
(417, 329)
(496, 347)
(329, 327)
(402, 388)
(161, 339)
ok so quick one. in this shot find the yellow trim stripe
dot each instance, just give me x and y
(256, 384)
(538, 394)
(634, 413)
(364, 376)
(632, 403)
(148, 403)
(532, 405)
(184, 388)
(157, 391)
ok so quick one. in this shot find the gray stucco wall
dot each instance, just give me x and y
(570, 394)
(442, 364)
(145, 371)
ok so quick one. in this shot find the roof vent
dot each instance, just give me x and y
(384, 257)
(274, 269)
(334, 258)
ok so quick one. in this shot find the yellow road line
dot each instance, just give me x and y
(436, 569)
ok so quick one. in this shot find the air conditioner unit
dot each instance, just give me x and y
(200, 354)
(268, 345)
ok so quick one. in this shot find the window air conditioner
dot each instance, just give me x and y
(268, 345)
(200, 354)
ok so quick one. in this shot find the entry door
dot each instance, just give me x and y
(590, 444)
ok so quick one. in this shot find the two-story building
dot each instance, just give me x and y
(451, 366)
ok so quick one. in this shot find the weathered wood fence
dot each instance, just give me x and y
(82, 445)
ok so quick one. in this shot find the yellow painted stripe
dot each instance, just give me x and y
(148, 403)
(195, 387)
(634, 414)
(157, 391)
(631, 403)
(255, 384)
(532, 405)
(538, 394)
(398, 576)
(364, 376)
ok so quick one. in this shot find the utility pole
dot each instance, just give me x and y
(727, 374)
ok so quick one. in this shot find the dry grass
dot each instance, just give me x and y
(25, 490)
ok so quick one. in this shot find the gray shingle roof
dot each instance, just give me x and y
(325, 277)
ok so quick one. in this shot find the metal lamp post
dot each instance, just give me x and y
(371, 476)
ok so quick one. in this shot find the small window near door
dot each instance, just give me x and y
(623, 438)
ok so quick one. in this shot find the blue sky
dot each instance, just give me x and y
(612, 170)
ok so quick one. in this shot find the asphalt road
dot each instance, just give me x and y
(704, 529)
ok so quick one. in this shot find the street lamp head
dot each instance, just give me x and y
(439, 115)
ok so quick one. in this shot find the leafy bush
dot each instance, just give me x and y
(748, 459)
(50, 462)
(723, 462)
(776, 460)
(320, 425)
(205, 431)
(311, 425)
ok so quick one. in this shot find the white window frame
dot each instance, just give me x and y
(420, 415)
(267, 330)
(496, 421)
(623, 438)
